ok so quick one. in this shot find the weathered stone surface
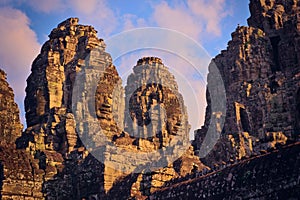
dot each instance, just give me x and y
(74, 53)
(154, 107)
(110, 102)
(260, 70)
(271, 176)
(54, 70)
(154, 115)
(10, 125)
(22, 174)
(273, 15)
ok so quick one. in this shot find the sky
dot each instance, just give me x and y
(26, 24)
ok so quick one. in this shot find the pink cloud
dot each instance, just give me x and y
(128, 21)
(94, 12)
(131, 21)
(194, 18)
(47, 6)
(97, 13)
(5, 2)
(210, 11)
(19, 48)
(177, 18)
(85, 7)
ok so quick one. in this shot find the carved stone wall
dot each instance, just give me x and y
(271, 176)
(72, 63)
(10, 125)
(154, 107)
(260, 69)
(22, 174)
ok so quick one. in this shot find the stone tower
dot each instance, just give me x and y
(10, 125)
(73, 90)
(51, 136)
(260, 69)
(154, 108)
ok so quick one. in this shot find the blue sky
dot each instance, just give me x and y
(25, 26)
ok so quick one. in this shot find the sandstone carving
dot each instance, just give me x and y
(260, 70)
(10, 125)
(256, 156)
(51, 139)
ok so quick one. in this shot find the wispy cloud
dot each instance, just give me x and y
(86, 7)
(194, 18)
(131, 21)
(211, 12)
(96, 13)
(176, 18)
(19, 47)
(47, 6)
